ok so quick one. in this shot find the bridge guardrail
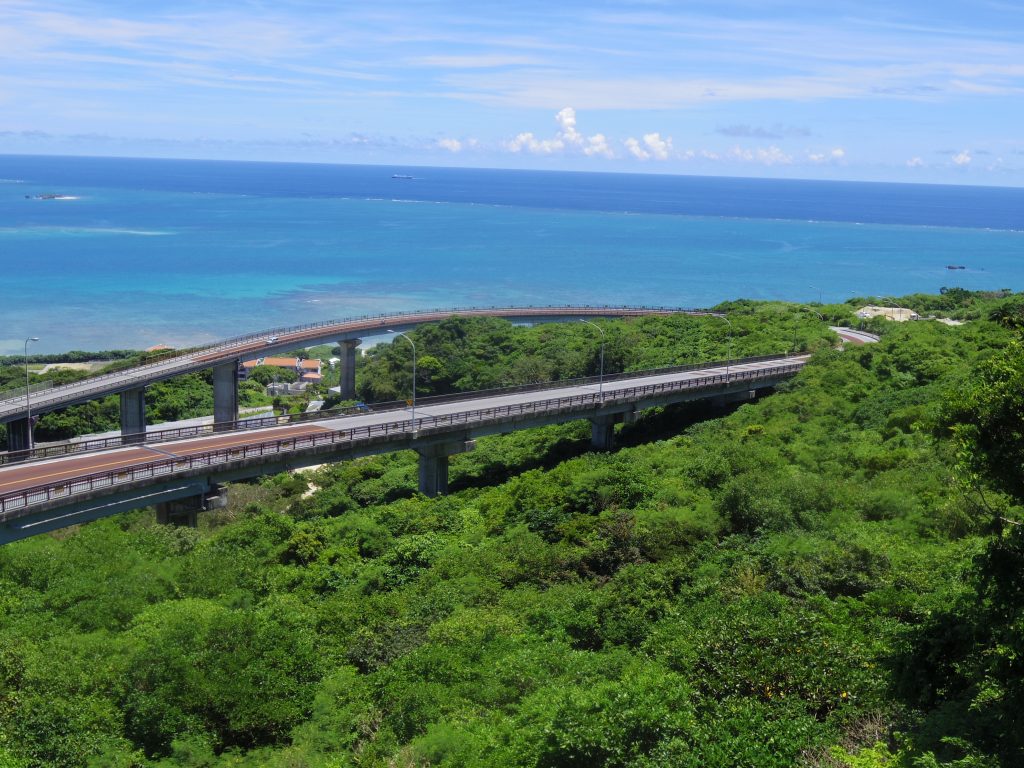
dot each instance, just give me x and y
(203, 430)
(185, 362)
(18, 393)
(14, 502)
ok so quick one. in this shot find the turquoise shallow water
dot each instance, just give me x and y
(181, 253)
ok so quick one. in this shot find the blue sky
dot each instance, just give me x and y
(902, 91)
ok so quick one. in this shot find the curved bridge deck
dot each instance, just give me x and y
(275, 340)
(52, 493)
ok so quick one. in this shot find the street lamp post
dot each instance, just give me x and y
(28, 397)
(407, 338)
(600, 374)
(818, 290)
(728, 362)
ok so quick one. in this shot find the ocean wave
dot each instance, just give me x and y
(84, 231)
(115, 231)
(12, 181)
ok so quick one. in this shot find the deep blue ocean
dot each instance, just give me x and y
(185, 252)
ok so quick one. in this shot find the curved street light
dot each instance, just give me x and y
(28, 390)
(407, 338)
(600, 375)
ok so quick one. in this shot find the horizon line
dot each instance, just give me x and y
(391, 166)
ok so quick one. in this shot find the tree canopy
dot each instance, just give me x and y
(824, 577)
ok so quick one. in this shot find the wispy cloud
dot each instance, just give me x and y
(658, 82)
(793, 60)
(478, 61)
(776, 131)
(835, 155)
(761, 155)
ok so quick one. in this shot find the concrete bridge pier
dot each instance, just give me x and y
(602, 432)
(185, 512)
(19, 435)
(133, 415)
(225, 395)
(434, 465)
(348, 368)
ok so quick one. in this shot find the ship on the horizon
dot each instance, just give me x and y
(400, 176)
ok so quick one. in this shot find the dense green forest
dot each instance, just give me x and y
(831, 576)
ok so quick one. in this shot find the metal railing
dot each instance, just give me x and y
(18, 393)
(260, 422)
(197, 359)
(14, 503)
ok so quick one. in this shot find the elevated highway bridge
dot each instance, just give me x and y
(180, 472)
(225, 357)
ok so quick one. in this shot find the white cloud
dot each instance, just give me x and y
(915, 162)
(567, 138)
(598, 145)
(773, 156)
(452, 145)
(834, 155)
(566, 118)
(653, 146)
(963, 158)
(762, 155)
(636, 150)
(659, 148)
(531, 143)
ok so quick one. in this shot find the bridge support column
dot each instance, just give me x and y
(133, 415)
(602, 432)
(434, 465)
(19, 435)
(225, 395)
(433, 475)
(348, 368)
(185, 512)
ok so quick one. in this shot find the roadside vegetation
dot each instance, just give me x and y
(827, 577)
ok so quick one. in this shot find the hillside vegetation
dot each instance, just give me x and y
(830, 576)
